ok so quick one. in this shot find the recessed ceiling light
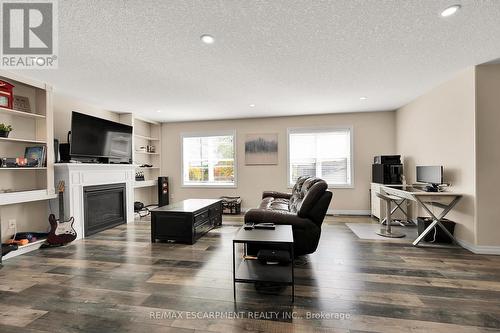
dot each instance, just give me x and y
(158, 111)
(252, 105)
(363, 98)
(207, 39)
(450, 10)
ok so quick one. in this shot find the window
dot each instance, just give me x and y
(208, 160)
(323, 153)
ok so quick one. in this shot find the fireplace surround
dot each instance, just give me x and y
(79, 177)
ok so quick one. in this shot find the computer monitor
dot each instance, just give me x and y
(430, 174)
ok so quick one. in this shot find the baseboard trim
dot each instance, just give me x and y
(361, 212)
(479, 249)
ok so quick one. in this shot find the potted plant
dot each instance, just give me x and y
(5, 130)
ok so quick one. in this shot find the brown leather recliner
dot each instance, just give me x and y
(304, 209)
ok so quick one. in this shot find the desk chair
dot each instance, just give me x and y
(398, 203)
(388, 225)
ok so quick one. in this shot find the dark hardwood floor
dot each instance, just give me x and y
(117, 281)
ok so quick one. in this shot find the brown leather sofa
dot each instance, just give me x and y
(304, 209)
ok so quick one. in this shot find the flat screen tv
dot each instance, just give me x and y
(432, 174)
(98, 140)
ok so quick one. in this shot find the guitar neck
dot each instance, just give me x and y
(61, 206)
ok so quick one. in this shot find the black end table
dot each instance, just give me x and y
(251, 270)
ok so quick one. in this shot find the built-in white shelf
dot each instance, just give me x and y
(10, 198)
(146, 168)
(25, 168)
(145, 183)
(24, 249)
(25, 185)
(145, 133)
(16, 113)
(145, 153)
(22, 140)
(146, 137)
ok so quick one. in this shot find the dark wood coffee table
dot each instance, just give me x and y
(251, 270)
(185, 221)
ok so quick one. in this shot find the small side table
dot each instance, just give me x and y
(232, 204)
(251, 270)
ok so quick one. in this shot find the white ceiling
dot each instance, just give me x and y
(287, 57)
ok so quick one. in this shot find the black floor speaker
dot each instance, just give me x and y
(163, 192)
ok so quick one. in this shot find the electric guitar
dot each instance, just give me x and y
(61, 231)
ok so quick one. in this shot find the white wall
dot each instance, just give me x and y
(438, 128)
(374, 134)
(64, 105)
(488, 154)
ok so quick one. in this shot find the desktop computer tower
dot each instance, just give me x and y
(163, 192)
(388, 174)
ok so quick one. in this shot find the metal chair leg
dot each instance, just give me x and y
(388, 228)
(398, 206)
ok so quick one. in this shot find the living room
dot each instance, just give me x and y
(238, 190)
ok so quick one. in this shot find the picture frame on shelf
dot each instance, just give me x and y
(37, 153)
(22, 103)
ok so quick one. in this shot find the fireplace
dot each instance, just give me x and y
(105, 207)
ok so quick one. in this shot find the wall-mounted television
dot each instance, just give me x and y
(99, 140)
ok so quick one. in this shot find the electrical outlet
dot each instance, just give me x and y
(12, 224)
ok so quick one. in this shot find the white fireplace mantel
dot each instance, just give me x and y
(78, 175)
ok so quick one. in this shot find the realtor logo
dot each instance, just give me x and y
(29, 34)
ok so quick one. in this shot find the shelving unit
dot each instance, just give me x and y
(34, 141)
(145, 183)
(20, 187)
(144, 137)
(20, 113)
(147, 168)
(19, 197)
(146, 133)
(146, 153)
(29, 129)
(25, 249)
(24, 168)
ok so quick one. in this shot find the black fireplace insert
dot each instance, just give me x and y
(105, 207)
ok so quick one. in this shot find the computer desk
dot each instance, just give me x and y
(444, 200)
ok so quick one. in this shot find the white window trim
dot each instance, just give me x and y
(293, 130)
(205, 134)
